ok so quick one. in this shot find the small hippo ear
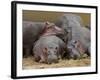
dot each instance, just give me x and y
(47, 23)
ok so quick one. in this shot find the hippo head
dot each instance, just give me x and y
(52, 29)
(52, 54)
(72, 50)
(73, 53)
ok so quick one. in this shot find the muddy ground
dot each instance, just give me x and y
(29, 63)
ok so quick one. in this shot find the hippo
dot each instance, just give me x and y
(49, 49)
(75, 30)
(73, 52)
(32, 31)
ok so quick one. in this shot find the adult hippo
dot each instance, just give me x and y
(48, 49)
(75, 30)
(32, 31)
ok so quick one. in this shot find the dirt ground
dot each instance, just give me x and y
(29, 63)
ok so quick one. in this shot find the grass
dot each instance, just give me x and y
(29, 63)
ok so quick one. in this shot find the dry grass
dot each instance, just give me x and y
(29, 63)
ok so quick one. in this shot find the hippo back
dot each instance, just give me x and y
(78, 31)
(31, 31)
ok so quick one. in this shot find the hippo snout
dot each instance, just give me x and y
(52, 60)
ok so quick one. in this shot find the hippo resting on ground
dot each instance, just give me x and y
(33, 30)
(75, 30)
(72, 50)
(75, 50)
(48, 49)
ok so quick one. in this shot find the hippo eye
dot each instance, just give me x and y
(56, 48)
(45, 49)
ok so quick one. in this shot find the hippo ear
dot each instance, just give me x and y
(47, 23)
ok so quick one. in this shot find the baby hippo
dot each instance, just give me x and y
(48, 49)
(76, 50)
(72, 50)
